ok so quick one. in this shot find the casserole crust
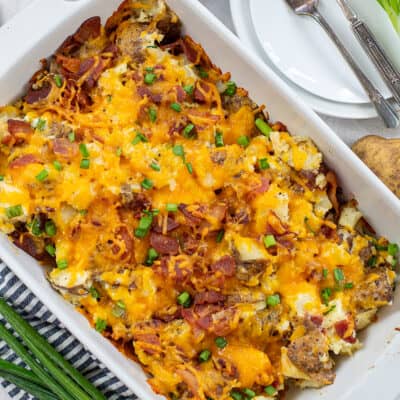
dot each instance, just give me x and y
(206, 243)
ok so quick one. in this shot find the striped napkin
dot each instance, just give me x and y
(31, 309)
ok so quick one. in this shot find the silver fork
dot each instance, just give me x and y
(383, 107)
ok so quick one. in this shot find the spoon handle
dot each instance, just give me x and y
(383, 107)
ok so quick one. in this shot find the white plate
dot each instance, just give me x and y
(242, 20)
(300, 49)
(371, 372)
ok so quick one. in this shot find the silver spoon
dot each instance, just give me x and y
(383, 107)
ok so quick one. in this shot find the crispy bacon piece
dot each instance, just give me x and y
(170, 225)
(164, 244)
(28, 244)
(143, 91)
(275, 225)
(64, 148)
(18, 131)
(122, 233)
(226, 265)
(24, 160)
(149, 342)
(36, 95)
(190, 218)
(89, 29)
(208, 297)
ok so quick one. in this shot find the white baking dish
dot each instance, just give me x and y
(37, 32)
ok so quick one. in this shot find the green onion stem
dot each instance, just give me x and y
(21, 372)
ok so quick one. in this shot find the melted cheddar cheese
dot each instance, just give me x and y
(207, 243)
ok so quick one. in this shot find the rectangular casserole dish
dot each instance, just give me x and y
(39, 29)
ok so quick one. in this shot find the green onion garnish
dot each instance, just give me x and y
(51, 250)
(230, 88)
(155, 166)
(188, 89)
(172, 207)
(62, 264)
(219, 139)
(118, 152)
(348, 285)
(188, 131)
(42, 175)
(269, 241)
(152, 255)
(330, 309)
(189, 167)
(178, 150)
(50, 228)
(100, 325)
(1, 178)
(153, 114)
(263, 163)
(236, 395)
(35, 227)
(243, 141)
(119, 309)
(326, 294)
(84, 151)
(202, 72)
(263, 127)
(146, 183)
(393, 249)
(273, 300)
(14, 211)
(176, 107)
(149, 69)
(338, 274)
(139, 138)
(71, 136)
(94, 292)
(204, 355)
(249, 393)
(184, 299)
(220, 342)
(58, 80)
(325, 273)
(57, 165)
(220, 236)
(144, 226)
(372, 261)
(41, 124)
(85, 163)
(149, 78)
(270, 390)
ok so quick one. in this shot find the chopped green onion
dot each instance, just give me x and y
(94, 292)
(189, 167)
(269, 241)
(100, 325)
(146, 183)
(263, 127)
(188, 89)
(273, 300)
(71, 136)
(84, 151)
(14, 211)
(50, 228)
(153, 46)
(326, 294)
(51, 250)
(155, 166)
(176, 107)
(42, 175)
(62, 264)
(35, 227)
(172, 207)
(149, 78)
(144, 226)
(325, 273)
(184, 299)
(40, 125)
(1, 178)
(83, 212)
(58, 80)
(178, 150)
(204, 355)
(243, 141)
(308, 226)
(118, 152)
(119, 309)
(348, 285)
(109, 98)
(187, 132)
(249, 393)
(220, 236)
(220, 342)
(57, 165)
(149, 69)
(372, 261)
(153, 114)
(393, 249)
(263, 163)
(338, 274)
(230, 88)
(219, 139)
(236, 395)
(139, 138)
(330, 309)
(152, 255)
(270, 390)
(202, 72)
(85, 163)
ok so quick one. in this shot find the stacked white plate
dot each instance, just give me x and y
(298, 49)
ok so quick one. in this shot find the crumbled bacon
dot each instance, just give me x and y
(64, 148)
(226, 265)
(24, 160)
(208, 297)
(164, 244)
(36, 95)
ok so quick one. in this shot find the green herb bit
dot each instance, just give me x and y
(338, 275)
(152, 114)
(42, 175)
(172, 207)
(58, 80)
(109, 98)
(220, 342)
(270, 390)
(236, 395)
(94, 293)
(325, 272)
(273, 300)
(50, 250)
(189, 167)
(330, 309)
(220, 236)
(146, 183)
(263, 163)
(57, 165)
(326, 294)
(83, 212)
(118, 152)
(71, 136)
(149, 78)
(149, 69)
(14, 211)
(139, 138)
(50, 228)
(178, 150)
(249, 393)
(189, 89)
(204, 355)
(219, 139)
(62, 264)
(263, 127)
(176, 107)
(348, 285)
(144, 226)
(100, 325)
(35, 227)
(184, 299)
(230, 88)
(393, 249)
(202, 72)
(155, 166)
(188, 131)
(84, 151)
(119, 309)
(308, 226)
(269, 241)
(243, 141)
(372, 261)
(1, 178)
(85, 163)
(152, 255)
(41, 124)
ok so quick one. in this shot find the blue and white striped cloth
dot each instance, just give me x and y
(31, 309)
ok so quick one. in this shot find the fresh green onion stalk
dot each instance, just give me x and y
(392, 8)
